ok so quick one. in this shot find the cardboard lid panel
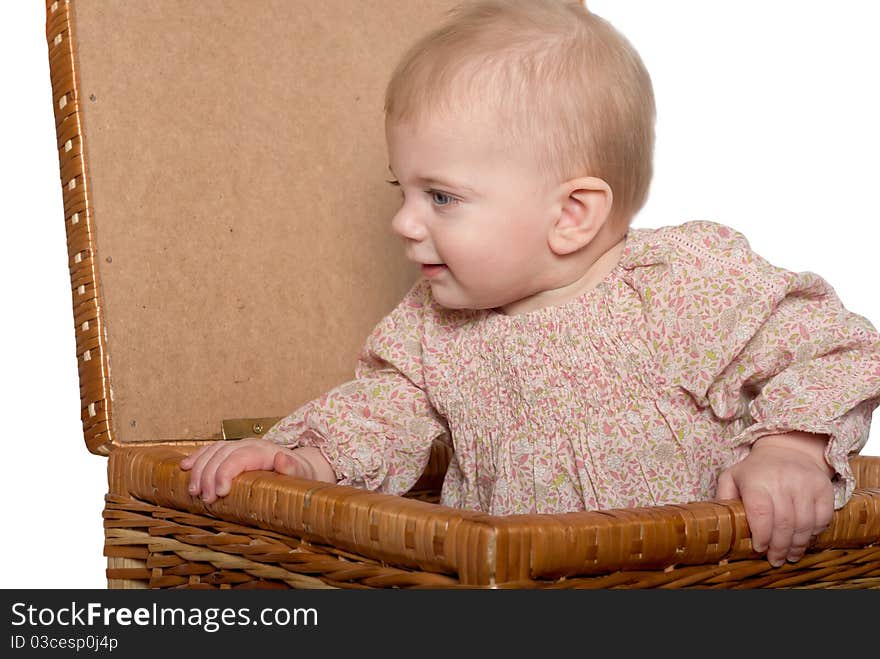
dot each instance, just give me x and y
(228, 221)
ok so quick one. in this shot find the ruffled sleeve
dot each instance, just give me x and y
(376, 430)
(772, 348)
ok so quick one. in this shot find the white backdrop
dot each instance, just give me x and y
(767, 121)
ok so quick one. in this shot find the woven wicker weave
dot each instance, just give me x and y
(273, 531)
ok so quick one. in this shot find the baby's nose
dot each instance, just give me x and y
(406, 225)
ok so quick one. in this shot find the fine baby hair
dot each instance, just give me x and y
(555, 78)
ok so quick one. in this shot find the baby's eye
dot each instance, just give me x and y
(440, 198)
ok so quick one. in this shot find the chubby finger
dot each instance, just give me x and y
(189, 460)
(824, 506)
(246, 458)
(196, 464)
(783, 530)
(804, 524)
(207, 480)
(760, 515)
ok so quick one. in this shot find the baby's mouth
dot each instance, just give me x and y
(431, 270)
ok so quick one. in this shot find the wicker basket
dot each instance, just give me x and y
(200, 137)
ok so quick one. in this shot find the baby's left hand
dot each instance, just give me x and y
(785, 487)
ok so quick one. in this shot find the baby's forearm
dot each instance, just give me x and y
(320, 469)
(807, 443)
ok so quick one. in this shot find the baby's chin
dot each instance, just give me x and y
(463, 303)
(448, 292)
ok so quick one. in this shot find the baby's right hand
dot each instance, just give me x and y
(214, 466)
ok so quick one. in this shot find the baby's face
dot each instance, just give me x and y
(475, 211)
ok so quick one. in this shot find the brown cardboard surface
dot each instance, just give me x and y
(237, 167)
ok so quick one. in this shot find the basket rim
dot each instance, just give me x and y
(92, 361)
(482, 548)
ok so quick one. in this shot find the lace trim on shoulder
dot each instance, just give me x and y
(701, 251)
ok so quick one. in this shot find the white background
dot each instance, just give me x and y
(767, 121)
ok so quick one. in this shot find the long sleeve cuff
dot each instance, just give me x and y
(847, 435)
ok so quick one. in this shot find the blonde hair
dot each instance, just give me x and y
(557, 77)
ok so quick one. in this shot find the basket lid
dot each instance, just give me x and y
(223, 167)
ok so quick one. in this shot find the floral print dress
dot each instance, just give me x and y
(637, 393)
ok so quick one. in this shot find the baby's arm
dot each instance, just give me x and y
(213, 467)
(374, 432)
(785, 487)
(776, 353)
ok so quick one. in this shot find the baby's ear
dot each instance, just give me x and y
(584, 205)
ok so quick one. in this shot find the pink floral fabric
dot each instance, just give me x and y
(639, 392)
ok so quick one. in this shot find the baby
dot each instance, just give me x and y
(572, 361)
